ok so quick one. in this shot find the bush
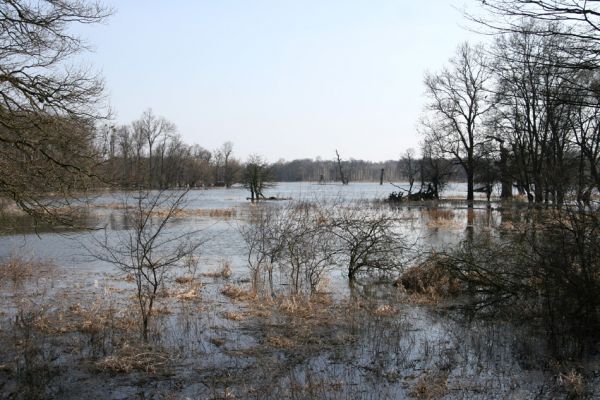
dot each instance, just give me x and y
(546, 270)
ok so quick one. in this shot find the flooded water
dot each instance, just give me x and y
(65, 248)
(365, 343)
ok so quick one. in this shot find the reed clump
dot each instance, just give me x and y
(17, 270)
(136, 358)
(224, 271)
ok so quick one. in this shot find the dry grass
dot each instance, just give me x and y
(133, 358)
(441, 218)
(385, 310)
(18, 270)
(189, 295)
(233, 316)
(428, 282)
(97, 316)
(218, 341)
(224, 213)
(431, 385)
(224, 272)
(280, 342)
(189, 289)
(237, 293)
(184, 280)
(573, 382)
(313, 307)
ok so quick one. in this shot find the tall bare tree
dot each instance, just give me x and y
(457, 105)
(150, 128)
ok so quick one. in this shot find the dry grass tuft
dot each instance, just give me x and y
(441, 218)
(385, 310)
(95, 317)
(184, 280)
(233, 316)
(218, 341)
(18, 270)
(573, 382)
(431, 385)
(237, 293)
(225, 271)
(280, 342)
(305, 307)
(130, 358)
(225, 213)
(191, 294)
(428, 282)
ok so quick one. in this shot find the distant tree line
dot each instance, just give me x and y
(149, 152)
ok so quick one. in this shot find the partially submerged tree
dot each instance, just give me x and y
(343, 175)
(48, 108)
(410, 168)
(257, 177)
(305, 240)
(366, 239)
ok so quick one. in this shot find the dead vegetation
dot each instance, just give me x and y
(136, 358)
(17, 270)
(224, 272)
(428, 282)
(431, 385)
(237, 293)
(224, 213)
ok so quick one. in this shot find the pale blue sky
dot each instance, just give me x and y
(283, 79)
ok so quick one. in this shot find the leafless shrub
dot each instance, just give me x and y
(547, 269)
(305, 240)
(148, 251)
(367, 239)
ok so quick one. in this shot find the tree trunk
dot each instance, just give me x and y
(470, 186)
(506, 180)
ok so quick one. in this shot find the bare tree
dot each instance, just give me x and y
(457, 105)
(149, 128)
(343, 176)
(410, 168)
(148, 251)
(48, 107)
(264, 234)
(582, 16)
(534, 102)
